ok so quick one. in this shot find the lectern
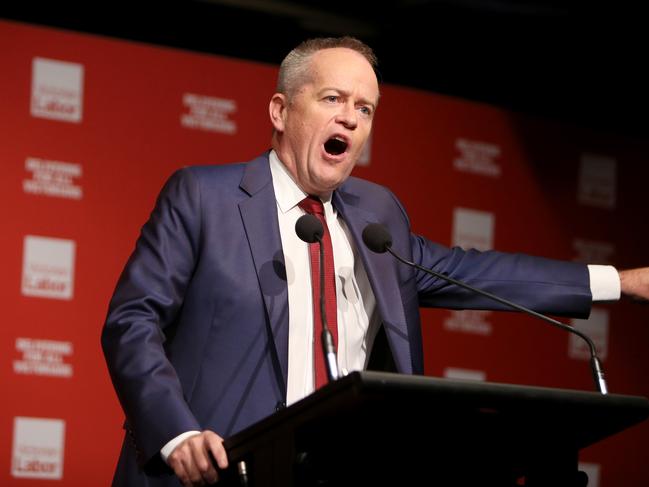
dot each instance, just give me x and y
(375, 429)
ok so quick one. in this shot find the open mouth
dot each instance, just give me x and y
(335, 146)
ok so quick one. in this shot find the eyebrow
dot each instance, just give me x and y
(347, 94)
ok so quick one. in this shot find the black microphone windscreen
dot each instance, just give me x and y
(309, 228)
(377, 238)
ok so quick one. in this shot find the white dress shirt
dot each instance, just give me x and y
(357, 317)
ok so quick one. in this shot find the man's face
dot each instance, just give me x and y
(322, 129)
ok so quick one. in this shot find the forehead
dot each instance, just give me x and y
(345, 69)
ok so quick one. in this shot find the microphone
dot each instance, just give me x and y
(310, 230)
(378, 239)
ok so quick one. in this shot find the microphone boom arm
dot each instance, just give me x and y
(598, 374)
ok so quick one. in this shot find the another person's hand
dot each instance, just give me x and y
(191, 460)
(635, 283)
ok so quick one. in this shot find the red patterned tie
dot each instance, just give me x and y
(314, 206)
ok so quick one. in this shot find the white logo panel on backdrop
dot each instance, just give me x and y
(464, 374)
(472, 321)
(43, 357)
(209, 113)
(38, 446)
(597, 181)
(473, 229)
(592, 470)
(477, 157)
(53, 178)
(57, 90)
(48, 267)
(596, 327)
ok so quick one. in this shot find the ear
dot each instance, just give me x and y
(277, 111)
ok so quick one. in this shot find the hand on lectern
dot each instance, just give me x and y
(192, 459)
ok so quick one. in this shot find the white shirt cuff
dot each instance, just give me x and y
(604, 283)
(172, 444)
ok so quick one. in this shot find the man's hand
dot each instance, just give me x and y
(191, 460)
(635, 283)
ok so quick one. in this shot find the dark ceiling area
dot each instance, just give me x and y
(580, 62)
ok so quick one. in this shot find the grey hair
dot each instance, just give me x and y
(294, 70)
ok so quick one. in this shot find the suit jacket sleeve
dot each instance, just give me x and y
(145, 303)
(545, 285)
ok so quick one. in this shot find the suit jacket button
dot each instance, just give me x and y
(280, 405)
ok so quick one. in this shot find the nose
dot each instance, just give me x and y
(348, 116)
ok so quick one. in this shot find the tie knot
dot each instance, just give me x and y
(312, 205)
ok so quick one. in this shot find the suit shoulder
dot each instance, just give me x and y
(374, 196)
(229, 173)
(365, 189)
(195, 183)
(355, 184)
(211, 171)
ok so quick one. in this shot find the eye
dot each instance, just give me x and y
(365, 110)
(331, 98)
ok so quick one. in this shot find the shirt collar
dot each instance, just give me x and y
(287, 193)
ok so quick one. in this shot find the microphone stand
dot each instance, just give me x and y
(309, 229)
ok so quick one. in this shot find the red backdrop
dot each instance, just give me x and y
(91, 128)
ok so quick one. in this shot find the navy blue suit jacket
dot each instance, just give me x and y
(197, 331)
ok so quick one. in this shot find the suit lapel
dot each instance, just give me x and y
(381, 272)
(259, 216)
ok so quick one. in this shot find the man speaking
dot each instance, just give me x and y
(214, 322)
